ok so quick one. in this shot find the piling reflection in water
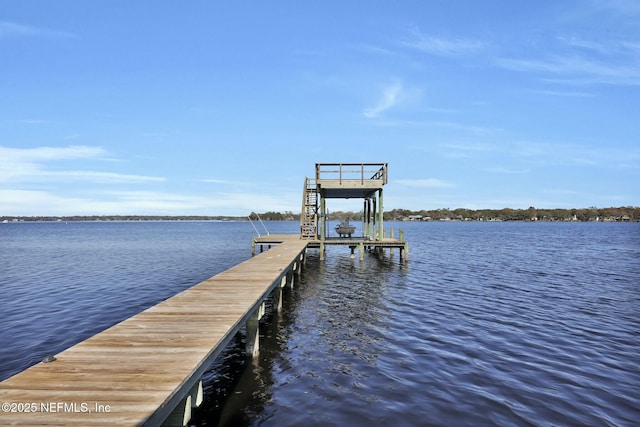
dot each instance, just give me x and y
(335, 311)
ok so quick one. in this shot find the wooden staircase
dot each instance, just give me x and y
(309, 214)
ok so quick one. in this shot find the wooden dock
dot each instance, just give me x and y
(146, 370)
(362, 244)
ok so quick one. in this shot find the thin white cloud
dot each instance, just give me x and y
(35, 122)
(442, 46)
(376, 50)
(390, 97)
(468, 150)
(50, 153)
(537, 153)
(224, 181)
(463, 127)
(507, 171)
(581, 60)
(612, 49)
(577, 155)
(446, 47)
(38, 202)
(580, 43)
(14, 29)
(577, 70)
(98, 177)
(476, 130)
(20, 163)
(30, 165)
(565, 93)
(153, 201)
(33, 202)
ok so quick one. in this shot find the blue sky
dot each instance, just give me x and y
(223, 107)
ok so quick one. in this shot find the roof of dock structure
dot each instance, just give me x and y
(350, 180)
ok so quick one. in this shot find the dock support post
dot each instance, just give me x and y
(405, 251)
(295, 273)
(323, 219)
(253, 247)
(181, 414)
(391, 250)
(321, 250)
(197, 395)
(372, 218)
(253, 331)
(277, 294)
(297, 268)
(380, 215)
(366, 218)
(361, 250)
(290, 279)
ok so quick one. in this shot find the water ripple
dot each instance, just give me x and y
(503, 325)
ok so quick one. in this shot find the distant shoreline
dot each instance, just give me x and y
(117, 218)
(593, 214)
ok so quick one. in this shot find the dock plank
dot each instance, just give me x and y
(137, 367)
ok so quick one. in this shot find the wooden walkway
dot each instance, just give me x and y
(147, 369)
(359, 243)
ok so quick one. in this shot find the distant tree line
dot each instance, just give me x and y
(275, 216)
(123, 218)
(625, 213)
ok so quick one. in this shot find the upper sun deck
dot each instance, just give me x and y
(350, 180)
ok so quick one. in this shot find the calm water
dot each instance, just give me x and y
(489, 324)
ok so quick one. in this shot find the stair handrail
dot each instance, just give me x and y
(260, 220)
(254, 227)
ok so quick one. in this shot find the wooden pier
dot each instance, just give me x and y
(361, 244)
(146, 370)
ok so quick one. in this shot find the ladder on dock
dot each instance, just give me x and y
(309, 215)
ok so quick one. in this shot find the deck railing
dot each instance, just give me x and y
(351, 171)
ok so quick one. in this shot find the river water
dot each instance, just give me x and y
(492, 324)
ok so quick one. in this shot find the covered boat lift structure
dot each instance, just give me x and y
(347, 181)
